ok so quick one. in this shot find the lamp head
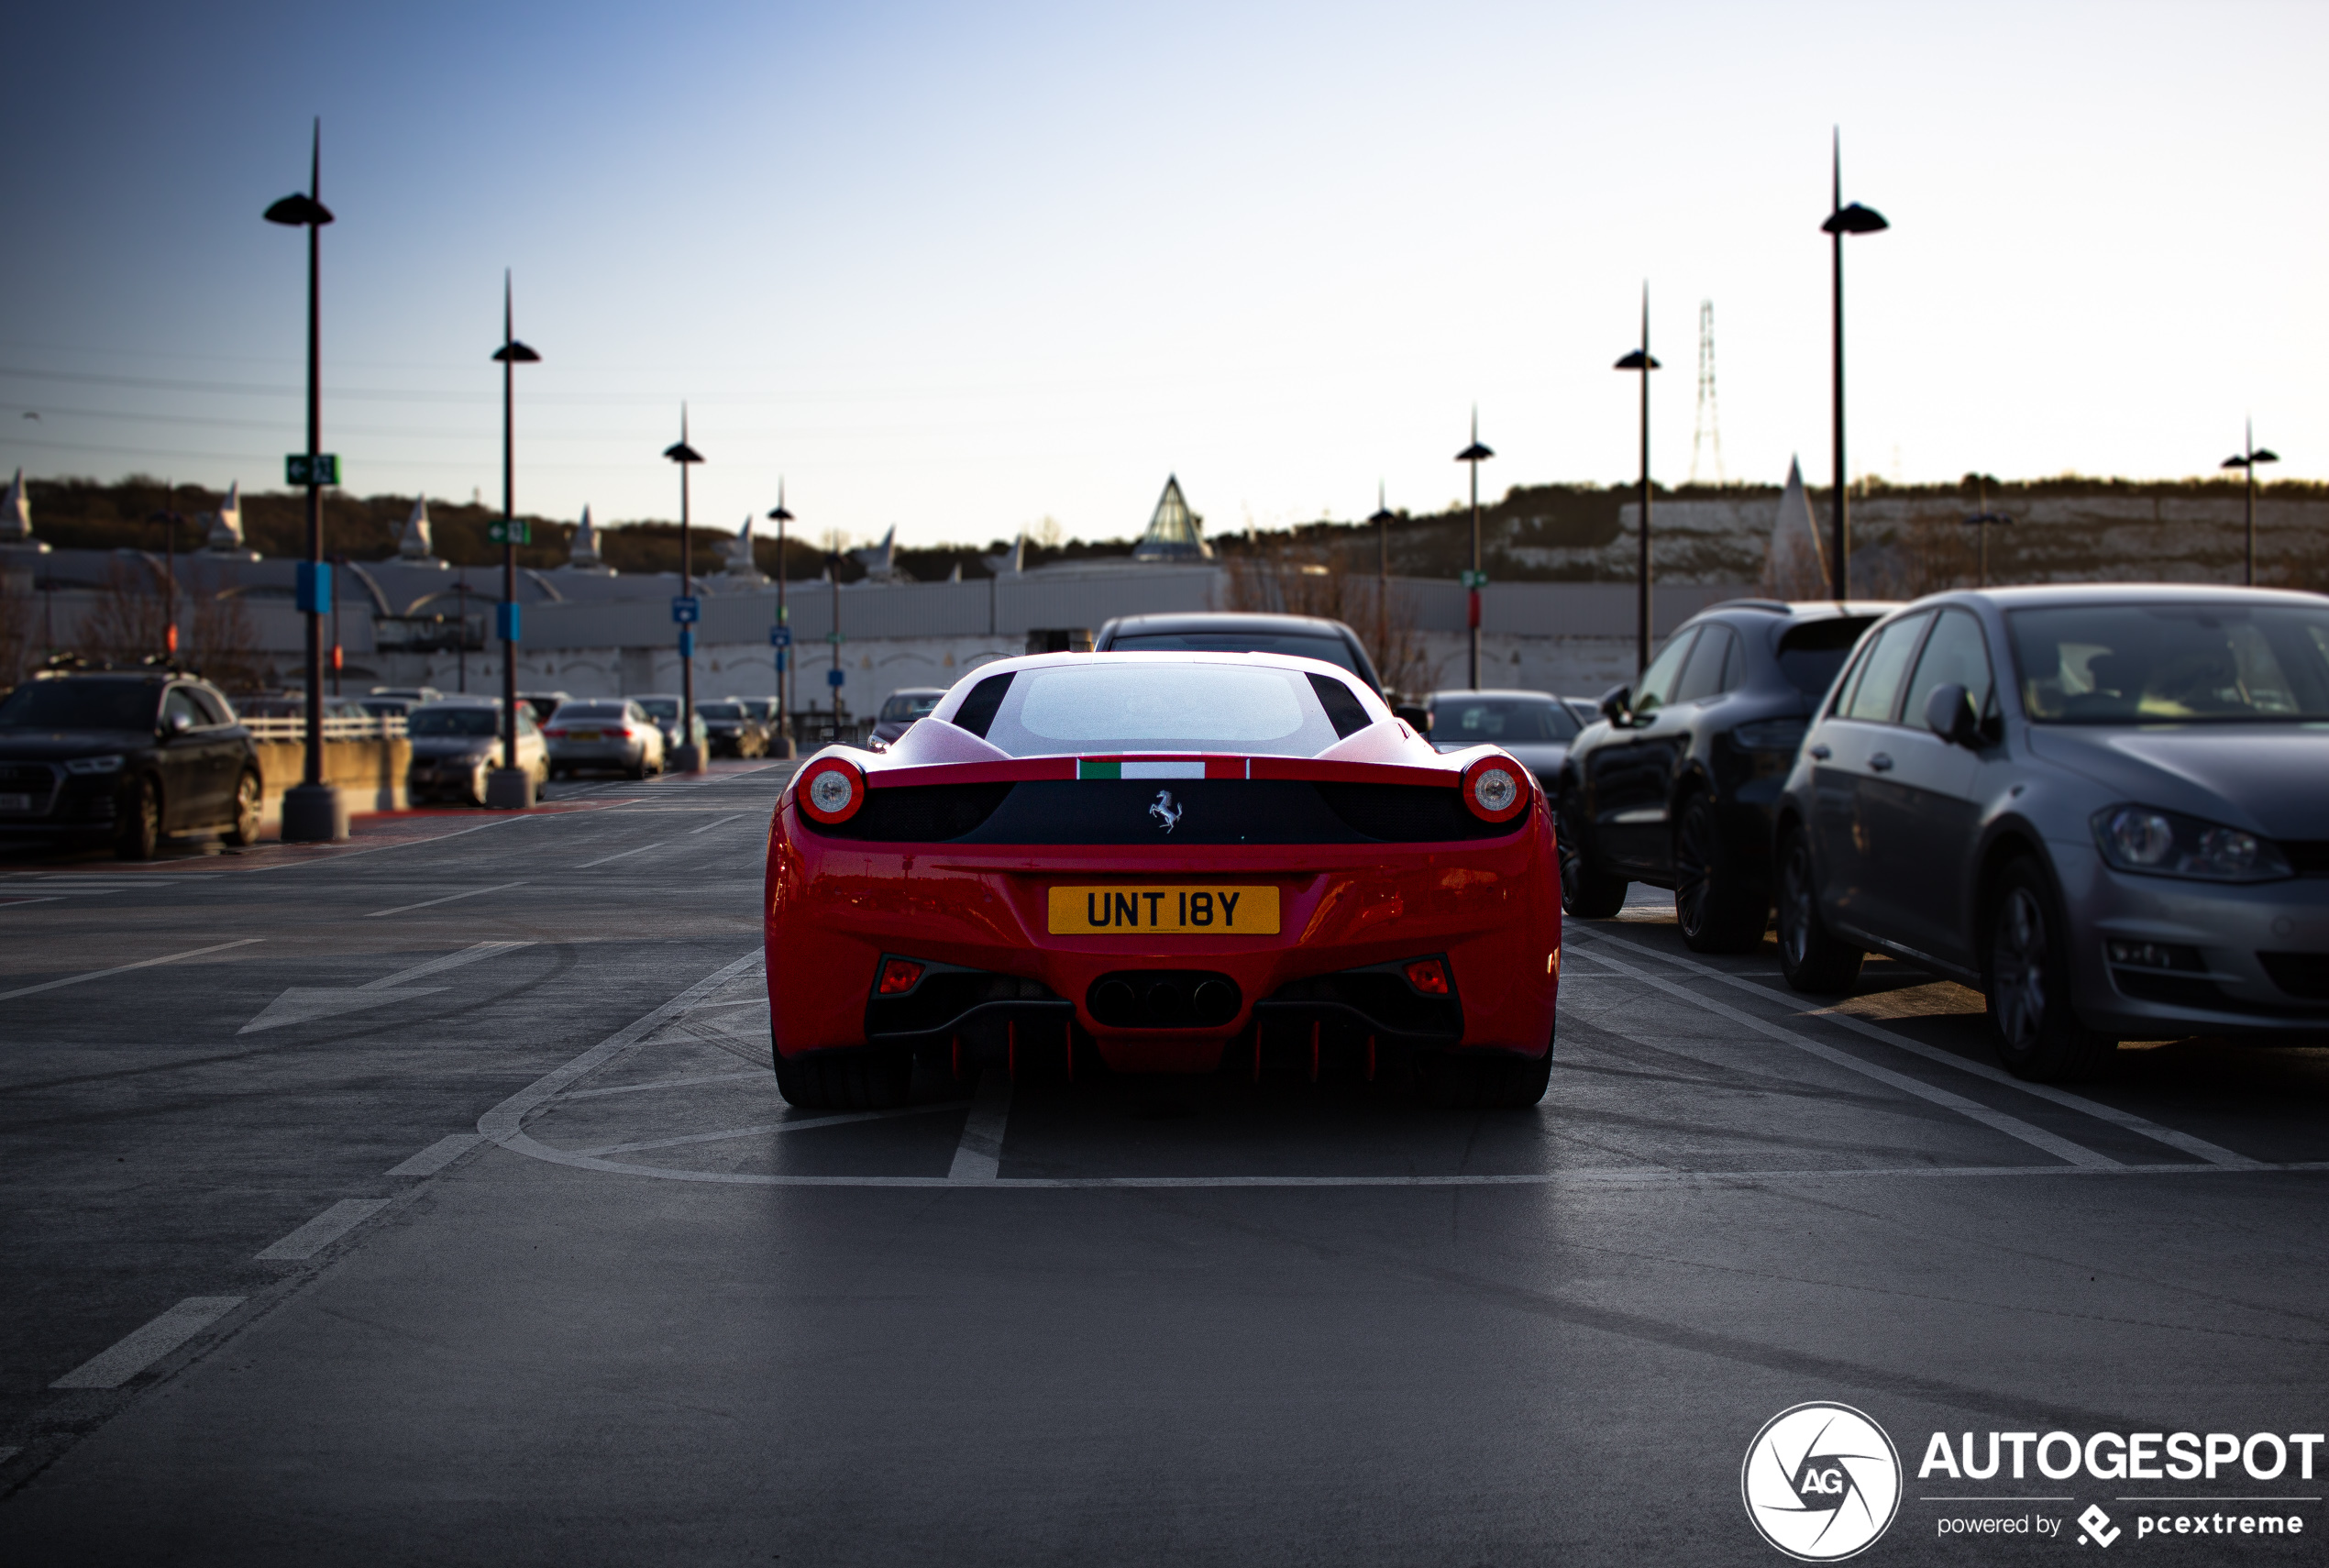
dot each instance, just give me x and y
(681, 452)
(1854, 219)
(1635, 359)
(299, 211)
(515, 353)
(2264, 454)
(1474, 453)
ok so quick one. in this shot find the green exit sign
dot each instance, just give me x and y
(312, 468)
(1476, 580)
(515, 531)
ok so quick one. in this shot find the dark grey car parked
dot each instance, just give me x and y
(133, 755)
(2108, 806)
(1675, 785)
(1306, 637)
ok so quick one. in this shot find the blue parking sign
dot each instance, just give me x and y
(780, 636)
(832, 678)
(687, 609)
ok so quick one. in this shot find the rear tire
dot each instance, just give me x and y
(864, 1078)
(243, 831)
(138, 832)
(1586, 893)
(1719, 909)
(1487, 1081)
(1812, 959)
(2025, 976)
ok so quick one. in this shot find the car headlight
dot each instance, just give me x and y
(94, 765)
(2168, 843)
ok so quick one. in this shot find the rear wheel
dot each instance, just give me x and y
(1812, 959)
(137, 831)
(1586, 893)
(244, 830)
(1719, 907)
(1484, 1082)
(861, 1079)
(2026, 972)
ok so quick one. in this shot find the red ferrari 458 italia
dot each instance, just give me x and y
(1165, 863)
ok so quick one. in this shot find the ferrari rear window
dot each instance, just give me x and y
(1138, 705)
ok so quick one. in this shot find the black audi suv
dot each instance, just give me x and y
(1677, 784)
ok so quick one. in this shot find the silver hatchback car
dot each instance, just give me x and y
(2105, 805)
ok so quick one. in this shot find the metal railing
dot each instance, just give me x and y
(336, 727)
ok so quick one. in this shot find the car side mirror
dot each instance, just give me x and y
(1418, 719)
(1949, 713)
(176, 724)
(1617, 705)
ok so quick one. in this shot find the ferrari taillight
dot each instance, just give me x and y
(832, 790)
(898, 975)
(1493, 789)
(1429, 976)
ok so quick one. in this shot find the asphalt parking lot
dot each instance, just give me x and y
(428, 1199)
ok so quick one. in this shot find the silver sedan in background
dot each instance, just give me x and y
(1536, 727)
(603, 733)
(2105, 805)
(457, 741)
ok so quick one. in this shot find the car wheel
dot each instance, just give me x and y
(1586, 893)
(1718, 906)
(2026, 973)
(1809, 955)
(138, 832)
(861, 1079)
(1484, 1082)
(248, 798)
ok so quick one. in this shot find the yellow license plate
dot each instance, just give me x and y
(588, 735)
(1180, 910)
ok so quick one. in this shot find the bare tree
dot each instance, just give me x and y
(1295, 578)
(129, 619)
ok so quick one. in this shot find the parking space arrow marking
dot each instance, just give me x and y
(303, 1004)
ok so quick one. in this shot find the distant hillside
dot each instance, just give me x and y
(1905, 538)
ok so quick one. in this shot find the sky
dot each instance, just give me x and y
(959, 270)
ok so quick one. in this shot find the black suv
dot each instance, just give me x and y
(132, 755)
(1675, 785)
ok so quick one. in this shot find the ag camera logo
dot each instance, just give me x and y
(1821, 1482)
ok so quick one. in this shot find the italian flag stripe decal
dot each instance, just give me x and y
(1174, 768)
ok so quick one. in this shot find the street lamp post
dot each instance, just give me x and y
(780, 516)
(2247, 459)
(509, 788)
(1382, 521)
(1476, 578)
(313, 810)
(1639, 361)
(1981, 522)
(690, 756)
(832, 574)
(1842, 220)
(170, 517)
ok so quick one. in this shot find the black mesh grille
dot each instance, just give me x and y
(2302, 975)
(2310, 856)
(26, 778)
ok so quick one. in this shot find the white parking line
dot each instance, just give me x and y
(801, 1126)
(708, 826)
(126, 1357)
(12, 903)
(124, 968)
(979, 1156)
(2011, 1126)
(323, 1230)
(2215, 1154)
(426, 903)
(437, 1155)
(625, 856)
